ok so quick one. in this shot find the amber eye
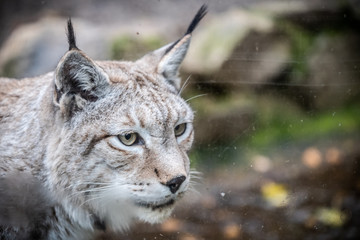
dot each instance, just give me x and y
(180, 129)
(129, 139)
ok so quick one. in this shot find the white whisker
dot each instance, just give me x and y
(90, 199)
(192, 176)
(196, 174)
(85, 183)
(197, 96)
(196, 179)
(96, 183)
(88, 190)
(195, 183)
(96, 189)
(193, 190)
(99, 196)
(184, 85)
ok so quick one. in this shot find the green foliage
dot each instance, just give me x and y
(301, 42)
(287, 127)
(9, 68)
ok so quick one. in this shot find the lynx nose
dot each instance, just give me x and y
(175, 183)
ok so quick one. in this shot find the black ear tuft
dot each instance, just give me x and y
(71, 35)
(170, 57)
(199, 15)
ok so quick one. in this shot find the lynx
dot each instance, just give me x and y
(94, 145)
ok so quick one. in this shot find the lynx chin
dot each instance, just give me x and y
(94, 145)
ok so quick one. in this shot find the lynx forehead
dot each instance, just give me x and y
(104, 142)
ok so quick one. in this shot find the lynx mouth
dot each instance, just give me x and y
(155, 206)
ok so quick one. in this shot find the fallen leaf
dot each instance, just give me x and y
(275, 194)
(331, 216)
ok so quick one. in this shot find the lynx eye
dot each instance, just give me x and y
(129, 139)
(180, 129)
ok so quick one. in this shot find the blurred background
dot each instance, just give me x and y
(275, 85)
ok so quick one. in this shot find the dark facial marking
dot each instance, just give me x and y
(92, 143)
(156, 172)
(99, 224)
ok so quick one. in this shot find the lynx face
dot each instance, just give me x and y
(119, 149)
(126, 152)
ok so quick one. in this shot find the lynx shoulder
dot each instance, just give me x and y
(102, 143)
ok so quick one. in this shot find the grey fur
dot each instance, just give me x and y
(25, 207)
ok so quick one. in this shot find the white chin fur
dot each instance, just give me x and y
(154, 216)
(120, 214)
(119, 217)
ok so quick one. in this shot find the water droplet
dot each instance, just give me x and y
(222, 194)
(333, 114)
(340, 124)
(301, 120)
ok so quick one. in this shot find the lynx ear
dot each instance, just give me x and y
(171, 60)
(78, 80)
(170, 57)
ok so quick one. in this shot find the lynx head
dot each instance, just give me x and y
(119, 147)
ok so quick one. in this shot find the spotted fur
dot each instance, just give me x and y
(63, 131)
